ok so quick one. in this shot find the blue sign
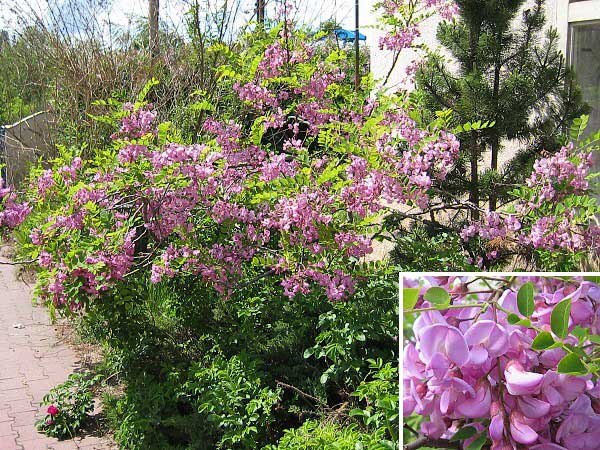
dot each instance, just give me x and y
(348, 35)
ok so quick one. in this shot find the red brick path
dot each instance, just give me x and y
(32, 360)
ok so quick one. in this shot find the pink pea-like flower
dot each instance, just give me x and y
(447, 340)
(520, 382)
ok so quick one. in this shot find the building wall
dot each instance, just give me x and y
(559, 14)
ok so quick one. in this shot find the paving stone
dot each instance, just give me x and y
(6, 428)
(36, 444)
(64, 445)
(11, 383)
(33, 360)
(17, 406)
(4, 417)
(9, 443)
(15, 394)
(27, 433)
(24, 418)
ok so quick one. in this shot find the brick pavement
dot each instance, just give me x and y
(32, 360)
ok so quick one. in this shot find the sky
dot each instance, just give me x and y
(121, 13)
(172, 11)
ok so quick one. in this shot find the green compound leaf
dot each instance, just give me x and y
(437, 296)
(464, 433)
(542, 341)
(525, 301)
(571, 364)
(478, 443)
(559, 320)
(513, 319)
(410, 297)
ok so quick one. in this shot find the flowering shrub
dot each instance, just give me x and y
(69, 405)
(297, 191)
(294, 183)
(553, 212)
(513, 361)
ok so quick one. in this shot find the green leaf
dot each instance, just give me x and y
(437, 296)
(580, 333)
(478, 443)
(542, 341)
(559, 320)
(357, 412)
(324, 378)
(594, 338)
(464, 433)
(571, 364)
(592, 278)
(203, 105)
(513, 319)
(525, 301)
(578, 127)
(410, 297)
(146, 89)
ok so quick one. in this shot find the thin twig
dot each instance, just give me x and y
(425, 441)
(442, 308)
(304, 394)
(17, 263)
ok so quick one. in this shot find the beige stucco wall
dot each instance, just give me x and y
(559, 14)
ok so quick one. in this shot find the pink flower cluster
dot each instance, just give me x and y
(400, 39)
(471, 363)
(138, 123)
(13, 213)
(338, 286)
(559, 169)
(404, 20)
(258, 96)
(541, 221)
(273, 60)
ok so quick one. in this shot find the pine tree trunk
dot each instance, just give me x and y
(474, 187)
(474, 32)
(494, 167)
(495, 137)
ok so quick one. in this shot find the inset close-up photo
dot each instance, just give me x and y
(501, 362)
(206, 207)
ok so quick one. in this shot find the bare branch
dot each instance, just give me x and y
(424, 441)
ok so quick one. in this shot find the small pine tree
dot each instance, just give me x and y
(504, 69)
